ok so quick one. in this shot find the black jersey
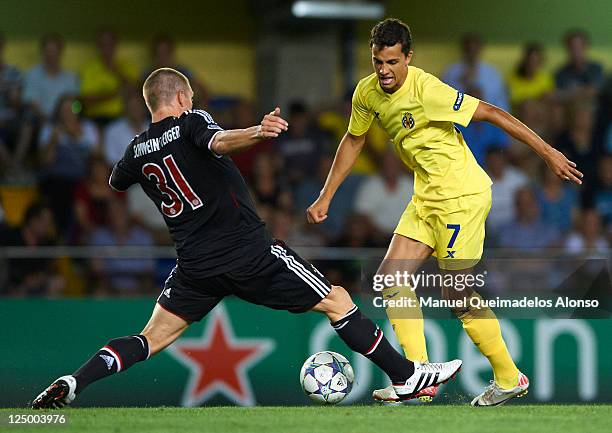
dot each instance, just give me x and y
(202, 196)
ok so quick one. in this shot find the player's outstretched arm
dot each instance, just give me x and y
(345, 158)
(236, 140)
(555, 160)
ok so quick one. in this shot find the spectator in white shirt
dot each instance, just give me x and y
(119, 133)
(384, 197)
(589, 235)
(46, 82)
(471, 72)
(507, 181)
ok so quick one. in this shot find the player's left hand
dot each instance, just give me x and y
(563, 167)
(272, 125)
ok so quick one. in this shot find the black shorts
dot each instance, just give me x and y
(278, 279)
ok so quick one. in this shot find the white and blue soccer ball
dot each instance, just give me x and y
(327, 377)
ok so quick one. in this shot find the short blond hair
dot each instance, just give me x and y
(161, 86)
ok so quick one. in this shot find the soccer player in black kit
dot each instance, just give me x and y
(223, 247)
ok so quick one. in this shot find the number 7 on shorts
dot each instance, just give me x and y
(455, 228)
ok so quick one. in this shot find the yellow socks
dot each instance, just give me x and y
(407, 323)
(483, 328)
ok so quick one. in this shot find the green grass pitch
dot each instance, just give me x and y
(342, 419)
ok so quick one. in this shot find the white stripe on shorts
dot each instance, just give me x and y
(315, 278)
(317, 285)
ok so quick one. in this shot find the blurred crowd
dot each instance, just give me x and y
(61, 132)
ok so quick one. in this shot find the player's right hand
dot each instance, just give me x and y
(563, 167)
(272, 125)
(317, 212)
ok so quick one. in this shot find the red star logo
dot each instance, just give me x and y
(218, 362)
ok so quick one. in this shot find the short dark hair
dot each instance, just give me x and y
(161, 86)
(576, 33)
(390, 32)
(52, 38)
(162, 38)
(34, 211)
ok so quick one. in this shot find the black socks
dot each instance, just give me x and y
(363, 336)
(119, 354)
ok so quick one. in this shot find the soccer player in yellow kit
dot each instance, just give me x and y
(452, 193)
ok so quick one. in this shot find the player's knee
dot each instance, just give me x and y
(336, 304)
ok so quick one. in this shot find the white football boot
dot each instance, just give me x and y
(388, 395)
(57, 395)
(426, 375)
(494, 395)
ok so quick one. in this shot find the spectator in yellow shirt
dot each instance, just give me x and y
(104, 79)
(529, 81)
(336, 121)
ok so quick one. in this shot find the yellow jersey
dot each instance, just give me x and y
(521, 89)
(419, 118)
(377, 140)
(97, 79)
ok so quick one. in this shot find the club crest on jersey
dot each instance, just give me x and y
(458, 101)
(408, 121)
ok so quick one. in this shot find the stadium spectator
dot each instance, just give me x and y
(604, 130)
(528, 231)
(558, 201)
(302, 146)
(33, 276)
(294, 231)
(383, 197)
(10, 108)
(600, 197)
(589, 235)
(268, 186)
(118, 275)
(43, 86)
(243, 116)
(359, 232)
(335, 123)
(308, 190)
(555, 119)
(92, 198)
(65, 145)
(119, 133)
(104, 79)
(46, 82)
(580, 75)
(163, 55)
(482, 136)
(538, 117)
(578, 142)
(528, 82)
(507, 180)
(145, 214)
(473, 73)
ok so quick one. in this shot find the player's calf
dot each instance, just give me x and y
(362, 335)
(117, 355)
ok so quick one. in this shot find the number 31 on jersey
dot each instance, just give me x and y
(175, 207)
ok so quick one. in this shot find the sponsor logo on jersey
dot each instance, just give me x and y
(408, 120)
(458, 101)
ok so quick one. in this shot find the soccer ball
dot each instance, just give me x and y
(327, 377)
